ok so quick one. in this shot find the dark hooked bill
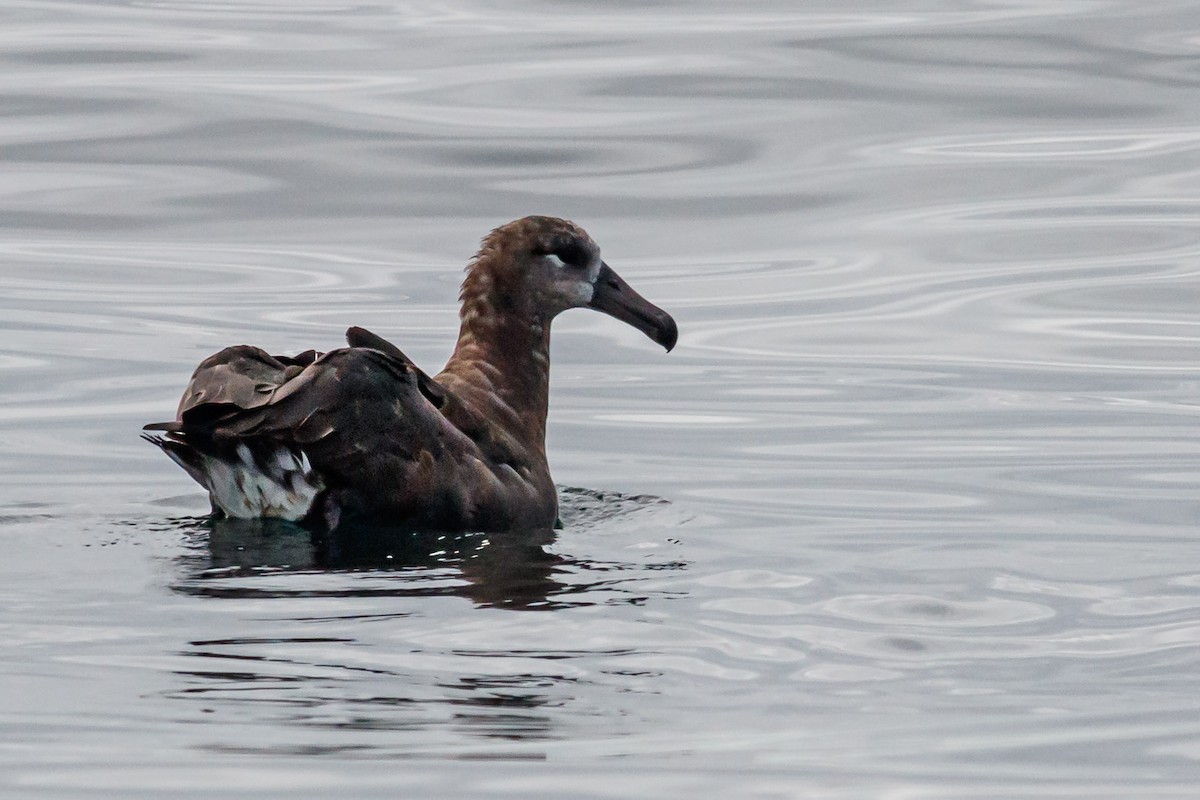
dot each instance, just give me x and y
(615, 297)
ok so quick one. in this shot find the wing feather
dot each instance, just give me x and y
(382, 436)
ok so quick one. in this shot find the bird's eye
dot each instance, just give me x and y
(565, 252)
(572, 253)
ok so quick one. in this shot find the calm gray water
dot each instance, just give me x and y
(910, 511)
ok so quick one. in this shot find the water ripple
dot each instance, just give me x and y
(909, 509)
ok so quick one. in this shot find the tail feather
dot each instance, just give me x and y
(267, 481)
(182, 454)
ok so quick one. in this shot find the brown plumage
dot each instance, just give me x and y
(362, 432)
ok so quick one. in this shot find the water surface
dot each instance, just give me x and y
(910, 510)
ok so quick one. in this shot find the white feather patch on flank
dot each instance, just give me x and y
(285, 489)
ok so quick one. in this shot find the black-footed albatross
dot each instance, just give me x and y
(361, 432)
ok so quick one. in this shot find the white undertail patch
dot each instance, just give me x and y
(283, 487)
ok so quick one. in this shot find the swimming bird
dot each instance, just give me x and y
(361, 432)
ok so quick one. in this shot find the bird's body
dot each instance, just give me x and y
(362, 432)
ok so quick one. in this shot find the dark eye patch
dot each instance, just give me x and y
(571, 252)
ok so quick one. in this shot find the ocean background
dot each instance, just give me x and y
(910, 512)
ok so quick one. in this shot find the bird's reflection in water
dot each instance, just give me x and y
(327, 662)
(514, 569)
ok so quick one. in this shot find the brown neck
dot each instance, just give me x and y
(501, 365)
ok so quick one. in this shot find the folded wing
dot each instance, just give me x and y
(362, 423)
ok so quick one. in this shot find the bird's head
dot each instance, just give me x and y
(543, 266)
